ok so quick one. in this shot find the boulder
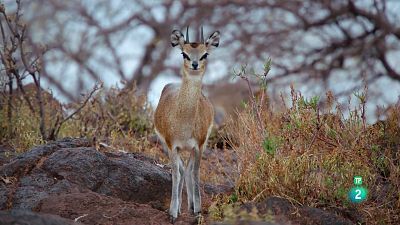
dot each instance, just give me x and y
(285, 212)
(6, 154)
(310, 215)
(72, 166)
(94, 208)
(23, 217)
(245, 222)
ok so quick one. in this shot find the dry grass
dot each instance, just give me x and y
(309, 155)
(116, 117)
(23, 131)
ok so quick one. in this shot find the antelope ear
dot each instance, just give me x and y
(213, 40)
(177, 39)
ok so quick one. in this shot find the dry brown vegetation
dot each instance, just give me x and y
(309, 155)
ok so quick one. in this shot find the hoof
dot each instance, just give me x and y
(199, 218)
(172, 219)
(191, 210)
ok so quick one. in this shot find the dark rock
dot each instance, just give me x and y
(70, 166)
(94, 208)
(83, 166)
(25, 162)
(124, 177)
(23, 217)
(279, 208)
(7, 153)
(276, 206)
(284, 212)
(26, 183)
(218, 189)
(352, 214)
(321, 217)
(245, 222)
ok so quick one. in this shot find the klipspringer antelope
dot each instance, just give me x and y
(183, 120)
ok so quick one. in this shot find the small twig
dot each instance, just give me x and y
(115, 121)
(22, 52)
(95, 88)
(3, 36)
(290, 199)
(105, 145)
(256, 107)
(21, 88)
(10, 27)
(39, 98)
(10, 104)
(259, 194)
(80, 217)
(313, 139)
(326, 141)
(316, 132)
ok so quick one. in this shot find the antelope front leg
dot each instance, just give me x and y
(189, 183)
(196, 182)
(176, 179)
(182, 174)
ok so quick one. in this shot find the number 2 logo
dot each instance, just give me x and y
(358, 195)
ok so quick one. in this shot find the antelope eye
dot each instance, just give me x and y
(204, 56)
(185, 56)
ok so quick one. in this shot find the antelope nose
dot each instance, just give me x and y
(195, 64)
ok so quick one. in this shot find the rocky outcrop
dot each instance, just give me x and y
(286, 213)
(94, 208)
(27, 217)
(71, 166)
(6, 154)
(70, 178)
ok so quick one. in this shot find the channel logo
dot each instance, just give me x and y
(357, 193)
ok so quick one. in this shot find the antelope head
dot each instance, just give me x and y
(194, 53)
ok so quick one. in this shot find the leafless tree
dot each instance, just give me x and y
(22, 60)
(318, 43)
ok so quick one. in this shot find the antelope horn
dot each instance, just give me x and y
(187, 34)
(202, 36)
